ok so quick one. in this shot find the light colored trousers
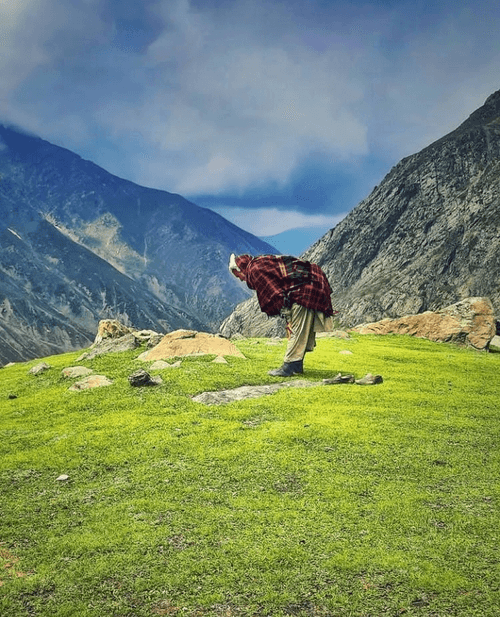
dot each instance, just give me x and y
(301, 327)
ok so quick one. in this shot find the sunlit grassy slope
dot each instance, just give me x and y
(341, 500)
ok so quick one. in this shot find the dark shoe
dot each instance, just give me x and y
(369, 380)
(339, 379)
(288, 369)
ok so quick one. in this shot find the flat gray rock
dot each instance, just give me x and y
(245, 392)
(223, 397)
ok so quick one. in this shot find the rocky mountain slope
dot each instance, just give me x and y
(54, 292)
(78, 244)
(426, 237)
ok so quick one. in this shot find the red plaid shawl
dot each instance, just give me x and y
(279, 279)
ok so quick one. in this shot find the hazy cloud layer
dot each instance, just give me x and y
(220, 97)
(270, 221)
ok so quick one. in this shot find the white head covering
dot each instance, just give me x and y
(232, 263)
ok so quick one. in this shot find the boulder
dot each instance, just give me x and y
(188, 343)
(110, 329)
(469, 322)
(114, 329)
(111, 345)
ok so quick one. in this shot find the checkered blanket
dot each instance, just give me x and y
(281, 281)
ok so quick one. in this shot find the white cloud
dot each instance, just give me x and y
(271, 221)
(429, 81)
(35, 33)
(43, 43)
(225, 96)
(226, 113)
(20, 52)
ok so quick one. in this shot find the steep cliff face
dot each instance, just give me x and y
(78, 244)
(426, 237)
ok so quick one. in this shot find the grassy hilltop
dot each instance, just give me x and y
(339, 500)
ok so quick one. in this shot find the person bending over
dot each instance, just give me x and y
(295, 289)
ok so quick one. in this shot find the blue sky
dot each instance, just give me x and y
(279, 115)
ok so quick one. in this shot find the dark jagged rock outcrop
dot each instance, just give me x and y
(425, 238)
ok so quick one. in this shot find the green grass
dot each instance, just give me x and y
(340, 500)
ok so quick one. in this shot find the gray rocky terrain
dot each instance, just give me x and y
(78, 244)
(426, 237)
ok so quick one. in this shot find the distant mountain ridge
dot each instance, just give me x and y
(78, 244)
(428, 236)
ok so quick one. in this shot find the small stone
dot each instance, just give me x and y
(369, 380)
(39, 369)
(62, 478)
(219, 360)
(12, 396)
(76, 371)
(495, 343)
(159, 365)
(346, 352)
(93, 381)
(142, 378)
(339, 379)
